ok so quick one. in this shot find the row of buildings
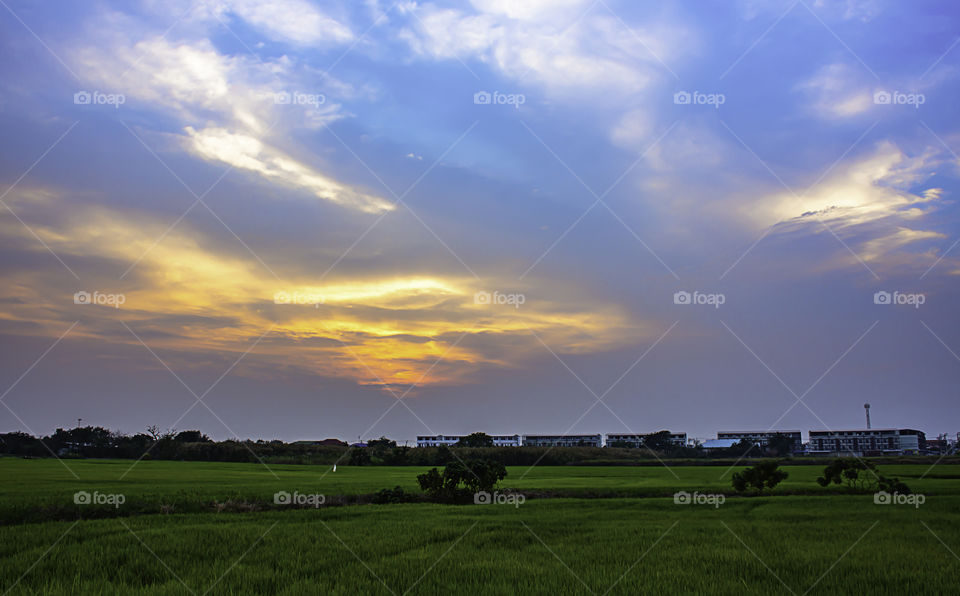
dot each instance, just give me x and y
(597, 440)
(859, 442)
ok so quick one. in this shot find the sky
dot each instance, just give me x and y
(298, 220)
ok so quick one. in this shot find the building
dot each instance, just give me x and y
(563, 440)
(636, 440)
(450, 440)
(762, 438)
(711, 444)
(438, 440)
(860, 442)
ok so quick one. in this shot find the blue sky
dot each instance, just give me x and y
(317, 227)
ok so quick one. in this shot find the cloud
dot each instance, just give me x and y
(869, 189)
(870, 203)
(249, 153)
(571, 53)
(838, 90)
(878, 247)
(228, 107)
(189, 295)
(294, 21)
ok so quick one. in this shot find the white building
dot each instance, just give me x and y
(636, 440)
(438, 440)
(563, 440)
(711, 444)
(762, 438)
(450, 440)
(861, 442)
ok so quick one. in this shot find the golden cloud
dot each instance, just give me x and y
(186, 297)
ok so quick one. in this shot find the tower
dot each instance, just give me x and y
(867, 408)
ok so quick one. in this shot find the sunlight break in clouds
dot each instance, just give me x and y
(387, 331)
(198, 85)
(249, 153)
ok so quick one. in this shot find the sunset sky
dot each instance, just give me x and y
(307, 220)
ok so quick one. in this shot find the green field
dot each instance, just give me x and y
(802, 538)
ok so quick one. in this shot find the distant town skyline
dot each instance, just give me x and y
(302, 221)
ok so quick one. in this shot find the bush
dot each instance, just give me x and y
(853, 473)
(766, 474)
(460, 480)
(392, 495)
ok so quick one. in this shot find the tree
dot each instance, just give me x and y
(475, 440)
(860, 475)
(381, 443)
(358, 457)
(780, 445)
(460, 479)
(658, 441)
(765, 474)
(381, 450)
(191, 436)
(857, 474)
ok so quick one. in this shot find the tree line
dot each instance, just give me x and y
(193, 445)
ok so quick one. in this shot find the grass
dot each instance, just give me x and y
(823, 542)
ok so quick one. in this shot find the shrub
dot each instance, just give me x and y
(461, 479)
(766, 474)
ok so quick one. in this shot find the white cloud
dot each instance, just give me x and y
(878, 247)
(595, 56)
(870, 189)
(838, 91)
(228, 106)
(295, 21)
(249, 153)
(530, 10)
